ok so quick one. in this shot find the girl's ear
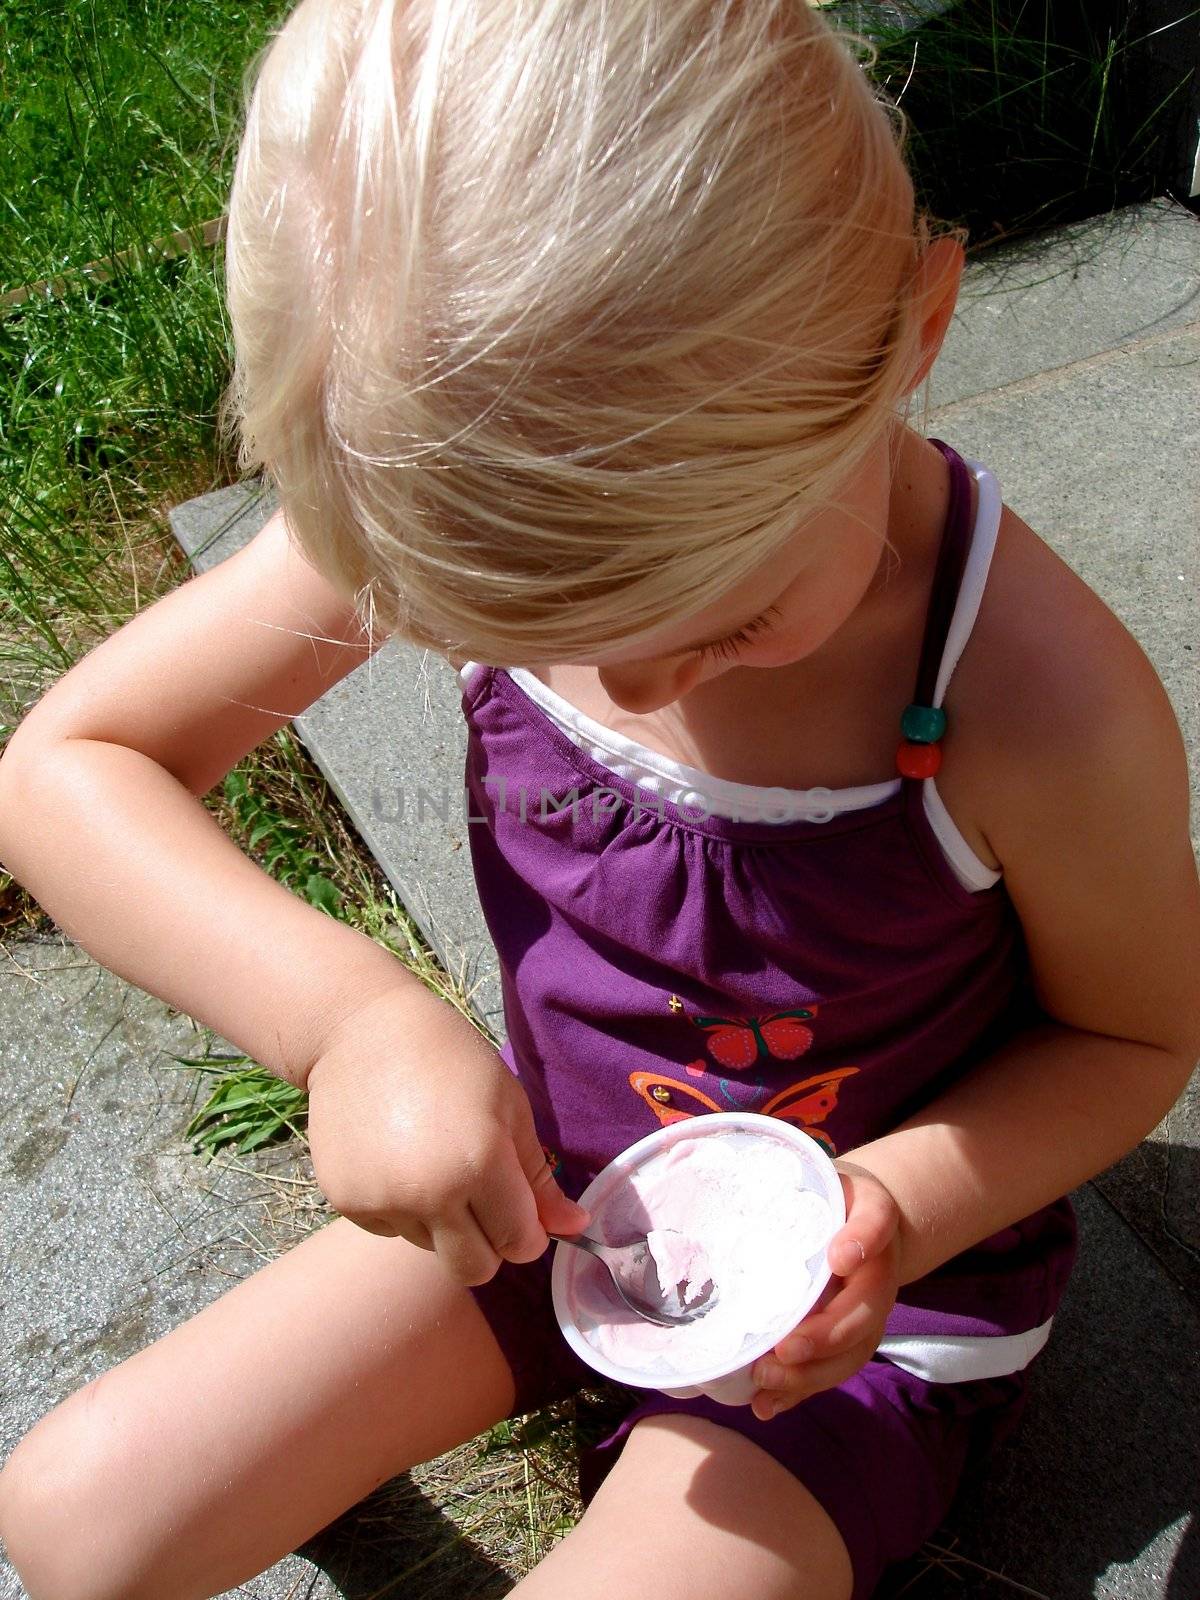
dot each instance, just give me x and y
(935, 292)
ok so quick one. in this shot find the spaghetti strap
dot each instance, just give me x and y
(952, 558)
(919, 755)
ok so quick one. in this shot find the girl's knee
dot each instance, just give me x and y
(67, 1514)
(700, 1513)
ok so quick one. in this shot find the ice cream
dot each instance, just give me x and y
(726, 1198)
(685, 1280)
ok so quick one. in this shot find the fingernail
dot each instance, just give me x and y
(770, 1375)
(800, 1350)
(847, 1259)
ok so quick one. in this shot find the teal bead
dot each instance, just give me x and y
(923, 724)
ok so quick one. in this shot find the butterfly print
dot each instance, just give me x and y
(737, 1043)
(668, 1098)
(807, 1103)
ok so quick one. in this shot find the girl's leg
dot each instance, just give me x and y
(695, 1511)
(209, 1455)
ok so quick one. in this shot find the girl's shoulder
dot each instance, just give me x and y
(1050, 680)
(1079, 776)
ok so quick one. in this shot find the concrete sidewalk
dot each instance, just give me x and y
(1073, 372)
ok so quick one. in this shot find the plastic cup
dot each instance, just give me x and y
(579, 1281)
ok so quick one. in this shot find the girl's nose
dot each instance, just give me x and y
(644, 686)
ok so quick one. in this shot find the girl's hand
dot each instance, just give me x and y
(416, 1127)
(835, 1340)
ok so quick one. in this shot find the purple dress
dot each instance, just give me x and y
(671, 945)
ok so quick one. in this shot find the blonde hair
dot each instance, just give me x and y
(554, 319)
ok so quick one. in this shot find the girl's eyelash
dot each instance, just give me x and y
(729, 646)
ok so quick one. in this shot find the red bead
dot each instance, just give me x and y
(918, 760)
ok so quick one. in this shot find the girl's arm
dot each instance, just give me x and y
(1090, 815)
(101, 820)
(415, 1125)
(1091, 824)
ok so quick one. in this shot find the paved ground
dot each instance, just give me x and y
(1073, 371)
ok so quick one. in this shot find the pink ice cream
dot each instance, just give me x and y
(681, 1265)
(745, 1208)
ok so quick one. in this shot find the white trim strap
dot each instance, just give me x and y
(949, 1358)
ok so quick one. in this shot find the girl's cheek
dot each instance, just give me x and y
(715, 669)
(776, 654)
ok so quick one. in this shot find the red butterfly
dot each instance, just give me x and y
(738, 1043)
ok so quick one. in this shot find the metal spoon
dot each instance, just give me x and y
(635, 1277)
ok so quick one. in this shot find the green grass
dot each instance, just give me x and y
(1027, 114)
(121, 130)
(121, 122)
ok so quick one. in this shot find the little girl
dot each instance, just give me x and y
(578, 339)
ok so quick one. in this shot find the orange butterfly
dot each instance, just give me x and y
(807, 1102)
(737, 1043)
